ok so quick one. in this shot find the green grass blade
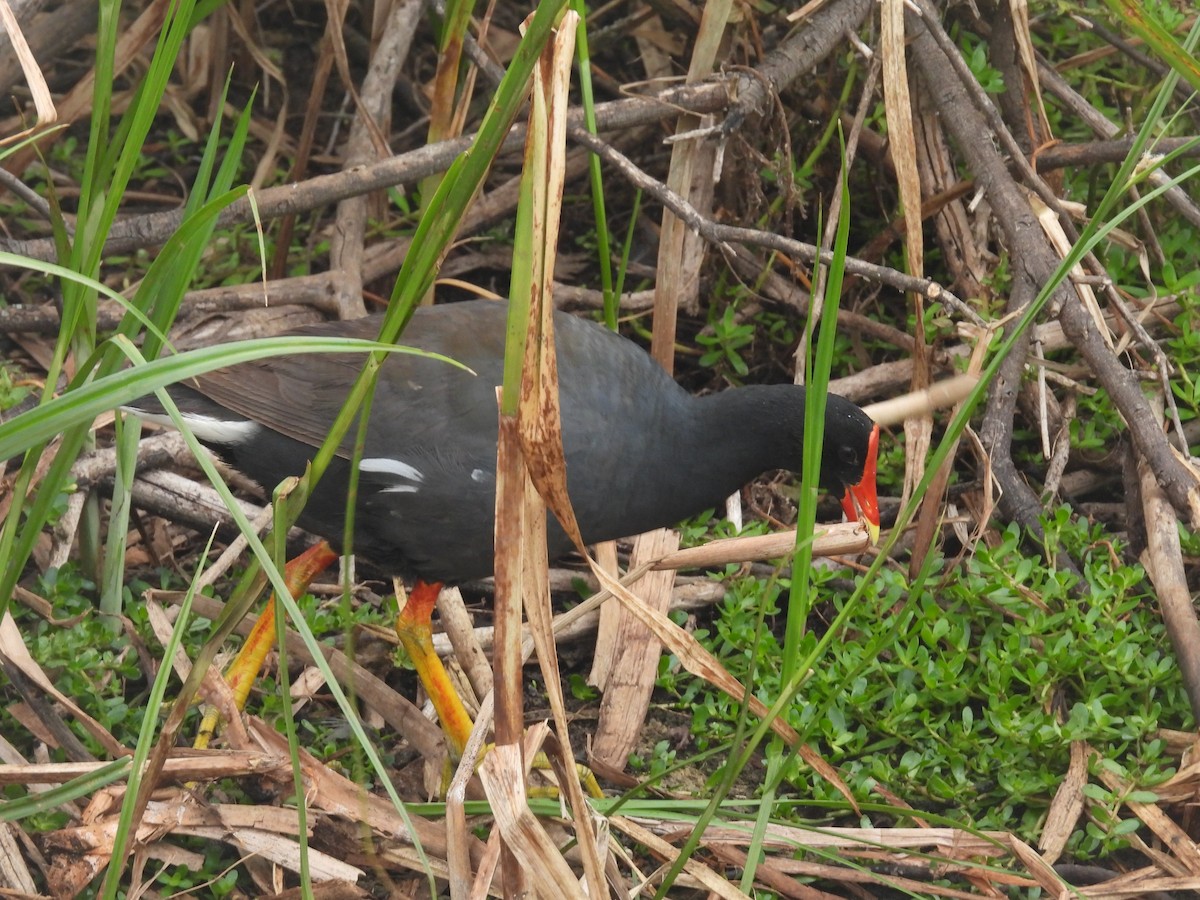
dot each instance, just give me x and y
(146, 735)
(595, 172)
(71, 414)
(33, 804)
(1139, 18)
(816, 382)
(92, 398)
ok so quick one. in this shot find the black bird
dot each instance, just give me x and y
(641, 452)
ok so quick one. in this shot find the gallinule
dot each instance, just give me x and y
(641, 452)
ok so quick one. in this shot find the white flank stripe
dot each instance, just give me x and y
(207, 428)
(392, 467)
(400, 489)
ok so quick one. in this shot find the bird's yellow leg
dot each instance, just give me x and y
(415, 629)
(298, 575)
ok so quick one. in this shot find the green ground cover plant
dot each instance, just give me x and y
(960, 692)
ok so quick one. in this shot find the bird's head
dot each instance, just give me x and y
(849, 461)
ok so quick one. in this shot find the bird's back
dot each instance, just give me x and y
(427, 479)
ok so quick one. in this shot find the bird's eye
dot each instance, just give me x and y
(848, 456)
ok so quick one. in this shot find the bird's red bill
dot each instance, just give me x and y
(861, 501)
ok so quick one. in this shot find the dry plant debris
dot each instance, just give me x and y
(979, 143)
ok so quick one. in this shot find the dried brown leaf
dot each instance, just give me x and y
(1066, 807)
(635, 668)
(503, 775)
(717, 884)
(42, 100)
(1176, 840)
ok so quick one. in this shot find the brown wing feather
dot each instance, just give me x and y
(265, 390)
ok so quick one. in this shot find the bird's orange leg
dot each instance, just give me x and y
(298, 575)
(415, 629)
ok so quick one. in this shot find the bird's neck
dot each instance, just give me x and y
(686, 455)
(747, 431)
